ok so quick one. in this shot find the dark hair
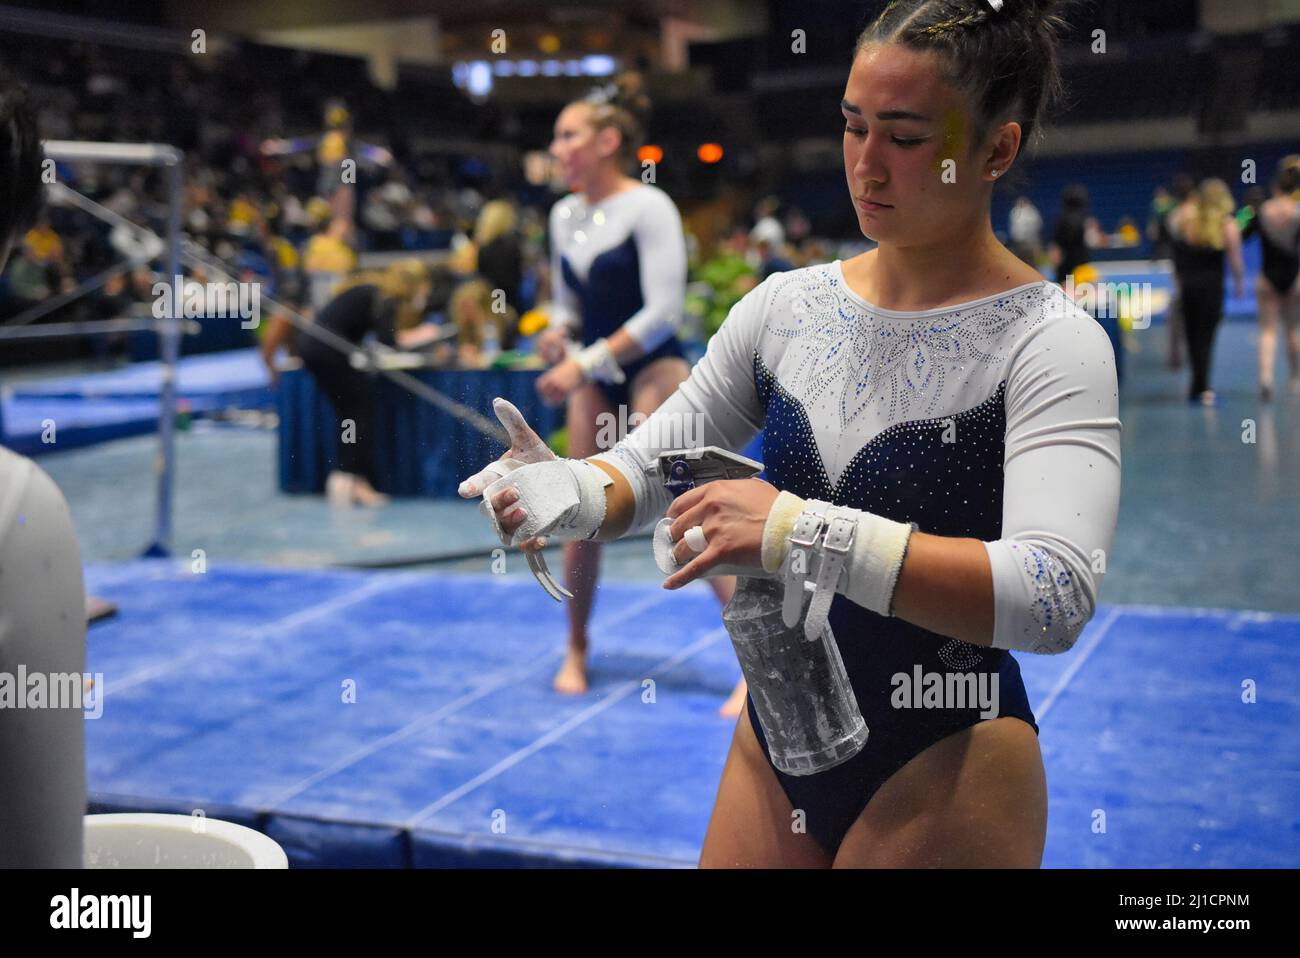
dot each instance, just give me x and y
(624, 105)
(1183, 186)
(22, 193)
(1074, 198)
(1006, 61)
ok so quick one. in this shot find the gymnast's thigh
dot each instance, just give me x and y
(587, 406)
(656, 381)
(975, 799)
(751, 825)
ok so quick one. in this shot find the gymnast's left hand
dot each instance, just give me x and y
(732, 513)
(555, 385)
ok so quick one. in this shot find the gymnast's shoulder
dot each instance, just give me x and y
(1055, 320)
(564, 208)
(1061, 344)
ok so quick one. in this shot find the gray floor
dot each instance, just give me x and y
(1206, 519)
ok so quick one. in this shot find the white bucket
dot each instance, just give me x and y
(176, 841)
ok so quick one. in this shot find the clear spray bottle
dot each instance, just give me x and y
(799, 685)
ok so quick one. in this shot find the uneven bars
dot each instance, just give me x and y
(95, 328)
(144, 154)
(172, 160)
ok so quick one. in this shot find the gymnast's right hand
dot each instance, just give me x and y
(553, 345)
(525, 447)
(529, 494)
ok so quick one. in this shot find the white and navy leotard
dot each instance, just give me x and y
(996, 419)
(620, 263)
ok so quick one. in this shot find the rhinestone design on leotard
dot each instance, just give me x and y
(896, 368)
(907, 473)
(1058, 609)
(857, 408)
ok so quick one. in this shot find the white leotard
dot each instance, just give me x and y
(995, 419)
(634, 233)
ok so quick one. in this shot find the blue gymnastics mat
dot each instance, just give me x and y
(406, 719)
(100, 406)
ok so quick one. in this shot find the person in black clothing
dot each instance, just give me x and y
(1277, 288)
(500, 261)
(1069, 249)
(1205, 232)
(1162, 202)
(388, 304)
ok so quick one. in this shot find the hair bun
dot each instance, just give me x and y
(630, 94)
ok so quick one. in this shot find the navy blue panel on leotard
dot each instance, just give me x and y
(1280, 264)
(610, 297)
(908, 473)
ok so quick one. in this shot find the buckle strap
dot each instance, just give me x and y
(803, 540)
(835, 549)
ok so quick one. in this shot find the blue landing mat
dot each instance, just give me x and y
(228, 691)
(225, 692)
(96, 407)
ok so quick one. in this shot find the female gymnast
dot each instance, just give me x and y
(944, 412)
(618, 267)
(1277, 288)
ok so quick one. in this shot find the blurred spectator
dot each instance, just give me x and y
(328, 257)
(480, 330)
(766, 225)
(771, 260)
(43, 245)
(380, 218)
(499, 258)
(30, 280)
(1157, 227)
(1070, 246)
(1026, 231)
(389, 305)
(797, 227)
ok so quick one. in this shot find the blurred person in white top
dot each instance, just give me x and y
(42, 599)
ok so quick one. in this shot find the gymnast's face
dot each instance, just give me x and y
(579, 148)
(907, 146)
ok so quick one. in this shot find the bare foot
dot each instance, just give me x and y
(345, 489)
(364, 494)
(338, 488)
(735, 701)
(572, 677)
